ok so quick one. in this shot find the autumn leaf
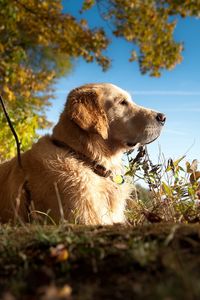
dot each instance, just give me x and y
(194, 176)
(167, 189)
(39, 40)
(59, 253)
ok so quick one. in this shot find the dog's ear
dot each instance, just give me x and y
(84, 109)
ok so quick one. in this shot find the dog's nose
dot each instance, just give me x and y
(161, 118)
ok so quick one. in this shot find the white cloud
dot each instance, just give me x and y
(166, 93)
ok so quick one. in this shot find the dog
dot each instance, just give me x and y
(69, 174)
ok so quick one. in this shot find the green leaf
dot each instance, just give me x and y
(167, 189)
(176, 162)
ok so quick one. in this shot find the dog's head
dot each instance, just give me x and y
(108, 111)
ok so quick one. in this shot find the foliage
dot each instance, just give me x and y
(37, 42)
(174, 190)
(149, 25)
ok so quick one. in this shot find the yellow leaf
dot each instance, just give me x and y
(9, 94)
(166, 189)
(176, 162)
(1, 48)
(59, 252)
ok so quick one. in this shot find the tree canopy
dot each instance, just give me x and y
(38, 42)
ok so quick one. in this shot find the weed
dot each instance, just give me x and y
(173, 190)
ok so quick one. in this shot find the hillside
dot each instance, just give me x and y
(157, 261)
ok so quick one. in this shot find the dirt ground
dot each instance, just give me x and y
(158, 261)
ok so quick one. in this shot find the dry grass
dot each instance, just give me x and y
(173, 193)
(158, 261)
(155, 257)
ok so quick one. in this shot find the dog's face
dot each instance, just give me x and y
(107, 110)
(130, 123)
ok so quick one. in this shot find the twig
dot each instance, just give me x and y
(102, 16)
(59, 202)
(13, 132)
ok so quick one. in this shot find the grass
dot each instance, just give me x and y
(157, 261)
(173, 193)
(155, 257)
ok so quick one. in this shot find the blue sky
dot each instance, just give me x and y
(176, 93)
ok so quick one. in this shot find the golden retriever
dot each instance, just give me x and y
(69, 174)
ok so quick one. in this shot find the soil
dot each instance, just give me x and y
(157, 261)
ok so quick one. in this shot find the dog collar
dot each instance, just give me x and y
(97, 168)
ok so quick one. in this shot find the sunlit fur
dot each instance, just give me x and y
(99, 121)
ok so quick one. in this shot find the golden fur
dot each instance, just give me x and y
(99, 121)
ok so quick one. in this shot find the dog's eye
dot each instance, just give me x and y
(124, 102)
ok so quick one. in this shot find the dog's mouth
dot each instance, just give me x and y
(148, 139)
(131, 145)
(151, 141)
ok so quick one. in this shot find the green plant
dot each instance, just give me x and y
(173, 187)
